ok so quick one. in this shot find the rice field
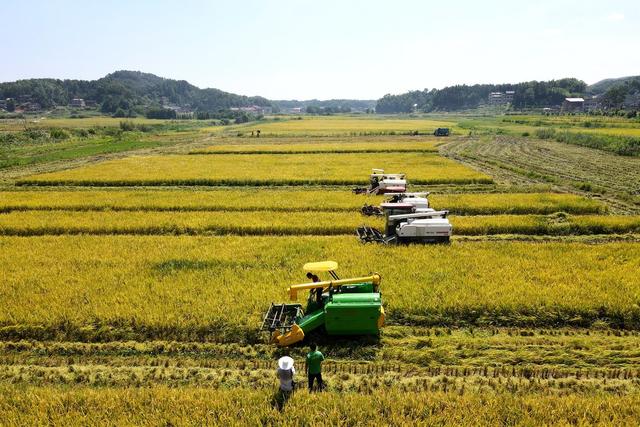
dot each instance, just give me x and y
(613, 177)
(129, 304)
(286, 200)
(516, 203)
(8, 125)
(551, 225)
(343, 126)
(158, 405)
(308, 145)
(265, 170)
(38, 222)
(616, 126)
(104, 288)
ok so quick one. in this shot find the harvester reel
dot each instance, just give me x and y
(368, 234)
(370, 210)
(281, 317)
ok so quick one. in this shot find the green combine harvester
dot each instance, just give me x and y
(340, 306)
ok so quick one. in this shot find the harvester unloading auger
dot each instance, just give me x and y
(384, 183)
(340, 306)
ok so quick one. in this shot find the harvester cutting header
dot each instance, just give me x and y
(339, 306)
(384, 183)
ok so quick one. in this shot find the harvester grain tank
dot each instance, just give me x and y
(420, 202)
(339, 306)
(384, 183)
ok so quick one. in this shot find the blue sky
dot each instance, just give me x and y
(302, 49)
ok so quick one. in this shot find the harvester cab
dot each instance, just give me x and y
(384, 183)
(404, 223)
(340, 306)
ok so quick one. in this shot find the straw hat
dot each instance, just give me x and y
(285, 362)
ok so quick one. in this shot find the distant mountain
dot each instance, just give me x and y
(604, 85)
(137, 91)
(126, 90)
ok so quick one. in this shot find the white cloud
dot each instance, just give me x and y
(615, 17)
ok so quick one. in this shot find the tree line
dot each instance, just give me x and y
(616, 95)
(463, 97)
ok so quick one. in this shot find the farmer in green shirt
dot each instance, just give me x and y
(314, 360)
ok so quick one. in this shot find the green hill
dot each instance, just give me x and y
(604, 85)
(126, 90)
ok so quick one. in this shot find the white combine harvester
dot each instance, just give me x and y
(419, 200)
(384, 183)
(409, 219)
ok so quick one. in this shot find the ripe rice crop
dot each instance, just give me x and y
(161, 405)
(34, 223)
(290, 199)
(382, 146)
(554, 225)
(515, 203)
(257, 169)
(107, 288)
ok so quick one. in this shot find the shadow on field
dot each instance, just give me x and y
(280, 399)
(173, 266)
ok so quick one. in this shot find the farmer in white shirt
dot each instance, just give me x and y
(285, 374)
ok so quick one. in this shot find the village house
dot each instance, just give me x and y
(28, 106)
(77, 103)
(573, 104)
(501, 98)
(253, 109)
